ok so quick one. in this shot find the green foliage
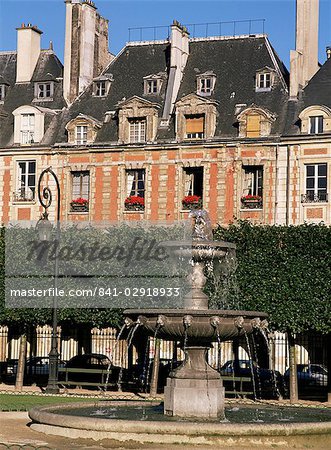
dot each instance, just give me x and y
(284, 271)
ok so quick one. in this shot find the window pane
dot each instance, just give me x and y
(310, 171)
(310, 183)
(322, 170)
(322, 183)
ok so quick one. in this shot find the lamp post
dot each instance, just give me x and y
(44, 228)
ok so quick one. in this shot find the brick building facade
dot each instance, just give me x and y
(218, 118)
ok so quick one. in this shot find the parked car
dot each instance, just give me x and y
(268, 383)
(87, 366)
(36, 370)
(312, 379)
(138, 374)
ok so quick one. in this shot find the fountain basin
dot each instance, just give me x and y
(200, 326)
(253, 427)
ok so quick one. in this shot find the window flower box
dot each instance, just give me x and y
(79, 205)
(251, 201)
(134, 203)
(192, 202)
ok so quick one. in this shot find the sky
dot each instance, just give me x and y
(279, 15)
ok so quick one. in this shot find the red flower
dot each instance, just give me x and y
(80, 201)
(250, 197)
(189, 199)
(135, 200)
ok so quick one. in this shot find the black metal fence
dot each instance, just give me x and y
(311, 353)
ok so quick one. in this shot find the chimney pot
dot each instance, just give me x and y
(328, 52)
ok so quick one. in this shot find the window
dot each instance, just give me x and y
(2, 92)
(26, 181)
(137, 130)
(153, 83)
(193, 182)
(100, 88)
(264, 80)
(81, 134)
(27, 128)
(315, 124)
(44, 90)
(135, 182)
(80, 190)
(253, 125)
(151, 87)
(252, 193)
(206, 83)
(195, 126)
(316, 183)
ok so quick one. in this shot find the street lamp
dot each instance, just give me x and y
(44, 228)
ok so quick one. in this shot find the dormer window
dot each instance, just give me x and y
(83, 129)
(255, 122)
(44, 90)
(265, 79)
(315, 124)
(315, 119)
(152, 84)
(2, 92)
(137, 129)
(206, 83)
(101, 85)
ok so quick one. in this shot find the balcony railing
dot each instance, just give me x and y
(27, 137)
(312, 197)
(23, 195)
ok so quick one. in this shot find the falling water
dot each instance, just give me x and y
(129, 341)
(118, 337)
(264, 328)
(258, 366)
(251, 362)
(145, 364)
(149, 368)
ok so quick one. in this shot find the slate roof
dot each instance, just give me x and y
(48, 67)
(234, 61)
(317, 92)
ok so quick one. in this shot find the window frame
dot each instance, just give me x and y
(193, 183)
(139, 176)
(37, 91)
(81, 140)
(314, 193)
(205, 91)
(100, 88)
(27, 131)
(156, 81)
(137, 130)
(252, 194)
(25, 191)
(198, 134)
(82, 193)
(316, 124)
(264, 81)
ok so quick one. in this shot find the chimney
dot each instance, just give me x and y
(86, 46)
(179, 51)
(304, 59)
(328, 52)
(28, 51)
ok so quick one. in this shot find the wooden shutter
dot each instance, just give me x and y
(253, 125)
(194, 124)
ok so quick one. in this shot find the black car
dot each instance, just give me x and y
(312, 379)
(36, 370)
(90, 369)
(266, 383)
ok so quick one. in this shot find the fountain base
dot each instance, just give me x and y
(192, 398)
(194, 389)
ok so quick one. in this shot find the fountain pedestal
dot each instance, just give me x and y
(195, 389)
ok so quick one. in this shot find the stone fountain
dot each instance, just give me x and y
(195, 389)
